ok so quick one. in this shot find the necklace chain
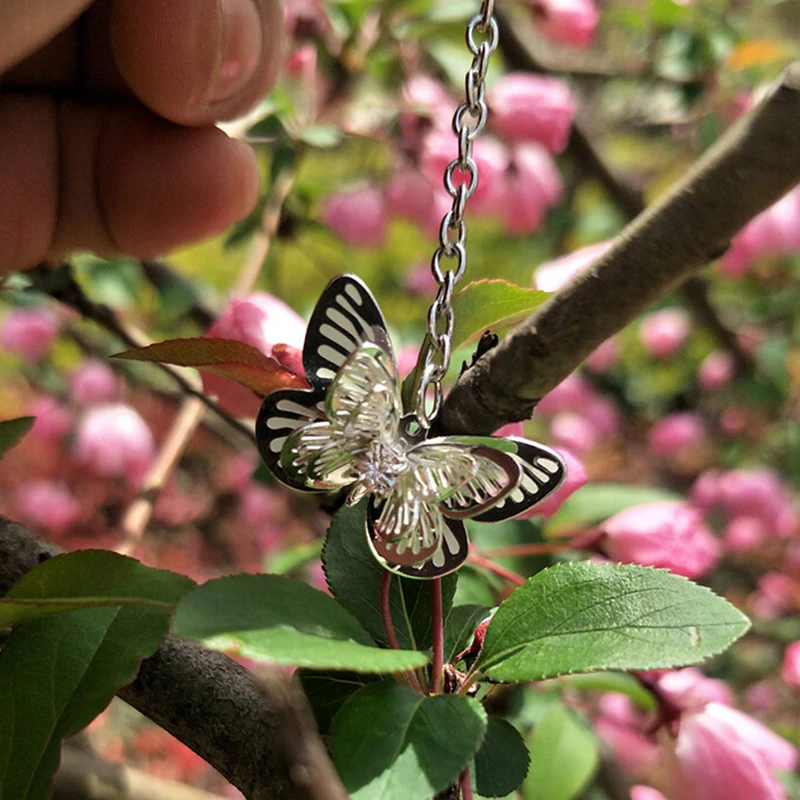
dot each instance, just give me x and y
(482, 37)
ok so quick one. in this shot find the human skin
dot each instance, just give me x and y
(107, 112)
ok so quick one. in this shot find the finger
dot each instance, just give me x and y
(112, 180)
(198, 61)
(28, 24)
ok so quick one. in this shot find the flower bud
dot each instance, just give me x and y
(532, 184)
(790, 669)
(46, 505)
(552, 275)
(53, 420)
(357, 217)
(717, 370)
(94, 383)
(663, 332)
(29, 332)
(675, 432)
(570, 22)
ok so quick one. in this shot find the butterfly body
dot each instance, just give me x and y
(348, 432)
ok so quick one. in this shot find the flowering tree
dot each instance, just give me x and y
(562, 659)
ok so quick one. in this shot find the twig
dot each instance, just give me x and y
(509, 575)
(437, 625)
(388, 625)
(466, 784)
(531, 549)
(749, 168)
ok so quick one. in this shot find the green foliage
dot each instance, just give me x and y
(564, 755)
(460, 627)
(276, 619)
(582, 617)
(392, 743)
(502, 761)
(328, 691)
(12, 430)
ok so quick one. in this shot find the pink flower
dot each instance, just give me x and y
(723, 754)
(619, 727)
(576, 477)
(29, 332)
(420, 281)
(689, 688)
(777, 593)
(570, 22)
(440, 148)
(114, 441)
(526, 107)
(604, 357)
(407, 360)
(675, 432)
(574, 432)
(762, 696)
(47, 505)
(53, 420)
(552, 275)
(744, 533)
(790, 669)
(705, 490)
(94, 383)
(532, 184)
(571, 394)
(760, 493)
(641, 792)
(410, 195)
(664, 332)
(428, 105)
(601, 412)
(264, 322)
(662, 534)
(717, 370)
(357, 216)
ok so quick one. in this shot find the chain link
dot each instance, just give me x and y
(461, 182)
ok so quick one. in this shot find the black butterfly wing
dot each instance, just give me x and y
(543, 471)
(346, 316)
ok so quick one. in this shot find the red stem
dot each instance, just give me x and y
(466, 784)
(438, 636)
(486, 563)
(391, 636)
(536, 549)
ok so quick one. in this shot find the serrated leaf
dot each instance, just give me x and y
(12, 430)
(501, 762)
(564, 756)
(491, 303)
(328, 691)
(281, 621)
(460, 627)
(59, 672)
(392, 743)
(90, 578)
(238, 361)
(354, 578)
(582, 617)
(596, 502)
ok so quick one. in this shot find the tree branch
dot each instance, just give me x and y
(750, 167)
(204, 699)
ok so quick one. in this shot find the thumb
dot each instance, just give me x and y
(28, 24)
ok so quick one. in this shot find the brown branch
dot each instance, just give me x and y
(204, 699)
(749, 168)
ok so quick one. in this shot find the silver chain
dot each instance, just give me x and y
(468, 121)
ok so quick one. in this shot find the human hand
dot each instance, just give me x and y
(106, 134)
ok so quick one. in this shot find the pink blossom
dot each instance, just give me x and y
(759, 492)
(705, 490)
(407, 360)
(790, 669)
(618, 726)
(675, 432)
(53, 420)
(532, 184)
(552, 275)
(604, 357)
(427, 105)
(574, 432)
(723, 754)
(689, 688)
(571, 394)
(302, 63)
(777, 593)
(744, 533)
(526, 107)
(114, 441)
(640, 792)
(357, 216)
(512, 429)
(411, 195)
(603, 414)
(663, 332)
(420, 281)
(440, 148)
(47, 505)
(716, 371)
(260, 320)
(575, 478)
(762, 696)
(661, 534)
(570, 22)
(94, 383)
(29, 332)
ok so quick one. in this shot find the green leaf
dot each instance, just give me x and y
(460, 627)
(276, 619)
(392, 743)
(564, 756)
(491, 304)
(238, 361)
(596, 502)
(354, 578)
(582, 617)
(90, 578)
(328, 691)
(12, 430)
(501, 763)
(58, 673)
(321, 136)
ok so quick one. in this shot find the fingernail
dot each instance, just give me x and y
(241, 48)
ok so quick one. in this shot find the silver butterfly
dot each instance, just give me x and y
(348, 432)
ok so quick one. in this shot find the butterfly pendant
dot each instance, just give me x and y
(348, 432)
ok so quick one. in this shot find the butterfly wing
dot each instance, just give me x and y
(543, 471)
(346, 316)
